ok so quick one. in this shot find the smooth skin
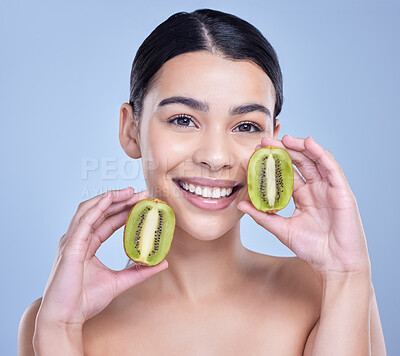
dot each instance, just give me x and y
(215, 297)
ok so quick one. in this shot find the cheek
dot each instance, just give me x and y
(244, 152)
(165, 150)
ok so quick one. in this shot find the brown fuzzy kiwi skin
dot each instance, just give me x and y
(137, 262)
(143, 264)
(269, 211)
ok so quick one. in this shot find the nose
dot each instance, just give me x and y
(214, 151)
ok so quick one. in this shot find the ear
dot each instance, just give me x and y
(277, 128)
(128, 132)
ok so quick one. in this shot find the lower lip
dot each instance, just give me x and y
(208, 203)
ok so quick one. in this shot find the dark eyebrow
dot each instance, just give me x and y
(203, 106)
(192, 103)
(244, 109)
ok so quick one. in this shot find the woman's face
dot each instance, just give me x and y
(195, 151)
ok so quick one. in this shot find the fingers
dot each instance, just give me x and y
(326, 164)
(113, 222)
(135, 274)
(298, 180)
(275, 224)
(120, 206)
(305, 165)
(78, 242)
(313, 161)
(84, 206)
(106, 229)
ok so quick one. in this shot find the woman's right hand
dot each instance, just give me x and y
(80, 286)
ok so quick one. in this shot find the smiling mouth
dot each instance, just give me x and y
(207, 192)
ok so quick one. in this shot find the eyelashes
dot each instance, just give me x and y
(249, 123)
(181, 118)
(183, 121)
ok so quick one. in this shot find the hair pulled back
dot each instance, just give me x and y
(202, 30)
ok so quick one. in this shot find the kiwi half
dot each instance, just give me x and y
(148, 232)
(270, 179)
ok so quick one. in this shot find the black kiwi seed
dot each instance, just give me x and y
(157, 232)
(279, 178)
(258, 186)
(279, 181)
(138, 220)
(139, 228)
(262, 182)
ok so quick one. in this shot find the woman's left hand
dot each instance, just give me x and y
(325, 228)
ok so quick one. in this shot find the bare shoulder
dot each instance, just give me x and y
(26, 329)
(301, 276)
(291, 278)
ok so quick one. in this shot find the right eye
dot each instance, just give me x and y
(182, 120)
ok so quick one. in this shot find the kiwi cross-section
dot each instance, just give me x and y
(148, 232)
(270, 179)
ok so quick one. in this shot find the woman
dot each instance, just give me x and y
(206, 88)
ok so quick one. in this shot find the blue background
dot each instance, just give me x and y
(64, 73)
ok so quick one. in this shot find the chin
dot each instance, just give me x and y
(207, 232)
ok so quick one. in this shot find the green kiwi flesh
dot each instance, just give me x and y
(270, 179)
(149, 231)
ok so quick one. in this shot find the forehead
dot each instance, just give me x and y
(212, 78)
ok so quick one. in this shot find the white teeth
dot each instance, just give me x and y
(216, 193)
(207, 192)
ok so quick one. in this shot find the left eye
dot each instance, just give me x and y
(182, 120)
(248, 127)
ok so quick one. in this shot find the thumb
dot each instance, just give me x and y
(275, 224)
(136, 274)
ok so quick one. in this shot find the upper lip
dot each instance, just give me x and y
(208, 182)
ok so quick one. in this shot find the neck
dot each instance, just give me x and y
(199, 269)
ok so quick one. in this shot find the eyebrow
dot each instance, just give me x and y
(203, 106)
